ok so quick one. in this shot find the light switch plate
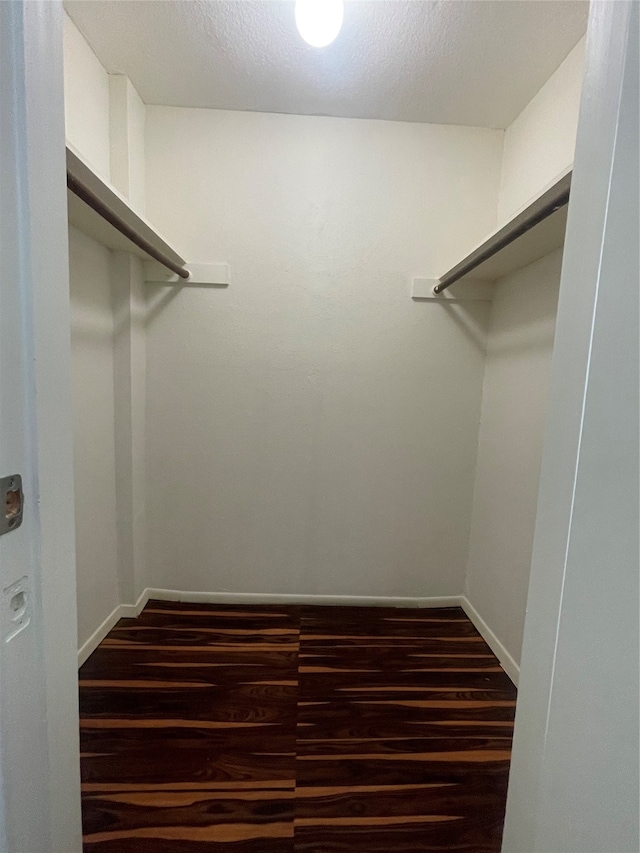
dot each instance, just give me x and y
(16, 608)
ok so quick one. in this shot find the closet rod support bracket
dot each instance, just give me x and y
(214, 275)
(423, 288)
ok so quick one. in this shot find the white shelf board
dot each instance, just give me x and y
(542, 239)
(535, 243)
(85, 219)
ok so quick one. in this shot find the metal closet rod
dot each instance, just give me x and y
(94, 202)
(463, 269)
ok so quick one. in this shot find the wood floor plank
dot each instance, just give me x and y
(382, 727)
(271, 729)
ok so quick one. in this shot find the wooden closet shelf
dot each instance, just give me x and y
(145, 241)
(535, 230)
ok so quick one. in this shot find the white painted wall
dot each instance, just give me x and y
(537, 147)
(539, 144)
(129, 400)
(94, 449)
(512, 425)
(311, 429)
(104, 117)
(127, 114)
(105, 121)
(86, 96)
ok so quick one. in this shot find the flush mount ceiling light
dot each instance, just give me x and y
(319, 21)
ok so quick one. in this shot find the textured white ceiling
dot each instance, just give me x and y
(470, 62)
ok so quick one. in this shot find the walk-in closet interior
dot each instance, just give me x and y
(337, 418)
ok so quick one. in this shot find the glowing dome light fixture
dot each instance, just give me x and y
(319, 21)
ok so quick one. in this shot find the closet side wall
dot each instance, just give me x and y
(539, 144)
(105, 121)
(86, 100)
(311, 429)
(94, 449)
(514, 404)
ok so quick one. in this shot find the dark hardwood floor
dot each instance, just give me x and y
(288, 729)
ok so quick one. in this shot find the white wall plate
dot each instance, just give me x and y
(16, 608)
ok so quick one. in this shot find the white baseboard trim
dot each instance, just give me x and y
(288, 598)
(506, 660)
(129, 611)
(132, 610)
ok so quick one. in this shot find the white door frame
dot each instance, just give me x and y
(39, 751)
(573, 786)
(548, 800)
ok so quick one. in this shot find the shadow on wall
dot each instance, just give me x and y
(471, 317)
(159, 296)
(472, 325)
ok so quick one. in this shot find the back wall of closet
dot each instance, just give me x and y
(321, 424)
